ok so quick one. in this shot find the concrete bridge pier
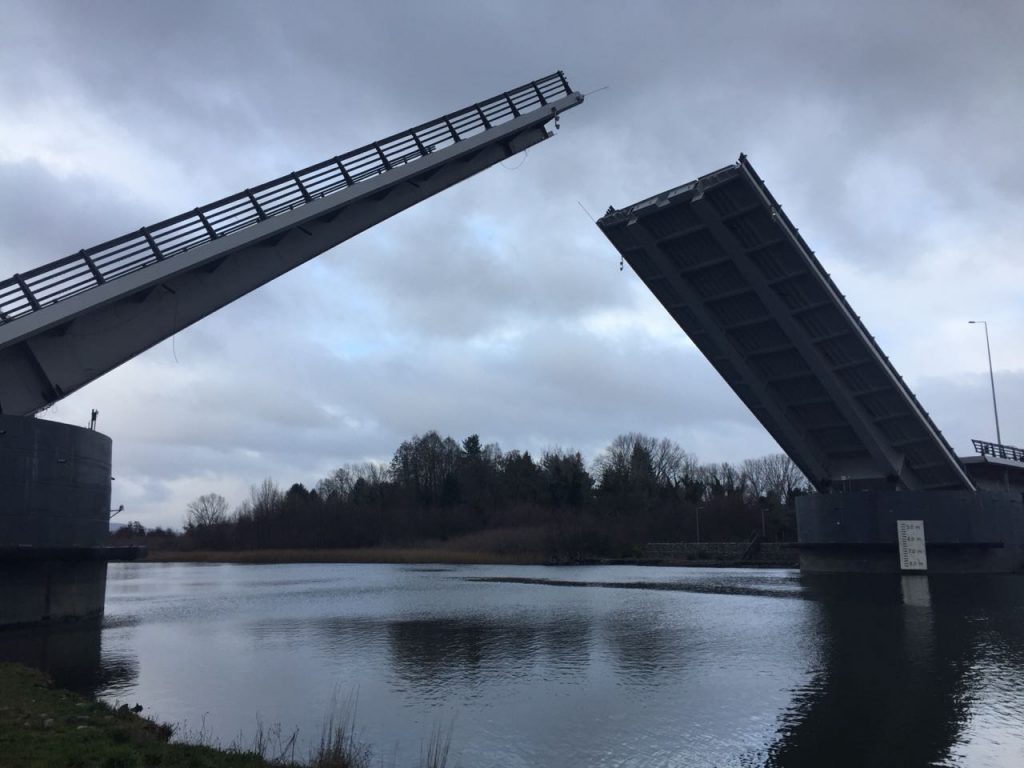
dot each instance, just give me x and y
(54, 521)
(965, 531)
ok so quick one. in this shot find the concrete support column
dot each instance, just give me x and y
(54, 520)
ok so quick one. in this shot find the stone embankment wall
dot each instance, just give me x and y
(721, 551)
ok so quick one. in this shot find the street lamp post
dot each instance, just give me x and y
(991, 377)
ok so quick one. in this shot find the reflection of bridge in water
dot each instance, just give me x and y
(71, 654)
(899, 682)
(723, 258)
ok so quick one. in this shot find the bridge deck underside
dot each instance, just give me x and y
(726, 263)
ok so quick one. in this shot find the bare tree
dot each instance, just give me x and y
(424, 464)
(265, 499)
(338, 483)
(370, 472)
(774, 477)
(722, 479)
(208, 509)
(664, 459)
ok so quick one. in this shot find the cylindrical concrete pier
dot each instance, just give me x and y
(54, 520)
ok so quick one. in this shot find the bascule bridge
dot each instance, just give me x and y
(725, 261)
(70, 321)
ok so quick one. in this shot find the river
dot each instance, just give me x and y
(569, 666)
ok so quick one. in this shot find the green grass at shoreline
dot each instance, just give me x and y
(43, 726)
(47, 727)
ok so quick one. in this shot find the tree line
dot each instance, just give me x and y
(639, 489)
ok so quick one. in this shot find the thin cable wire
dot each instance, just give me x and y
(526, 154)
(174, 336)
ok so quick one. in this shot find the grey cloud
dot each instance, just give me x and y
(962, 406)
(43, 217)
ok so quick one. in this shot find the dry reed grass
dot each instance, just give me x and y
(400, 555)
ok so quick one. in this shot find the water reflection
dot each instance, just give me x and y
(576, 666)
(71, 653)
(437, 655)
(644, 647)
(898, 683)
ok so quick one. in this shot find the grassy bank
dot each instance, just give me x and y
(44, 726)
(429, 556)
(499, 546)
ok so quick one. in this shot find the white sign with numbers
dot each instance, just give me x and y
(910, 534)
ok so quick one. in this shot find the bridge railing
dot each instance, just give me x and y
(29, 291)
(997, 451)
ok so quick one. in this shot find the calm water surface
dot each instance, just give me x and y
(589, 666)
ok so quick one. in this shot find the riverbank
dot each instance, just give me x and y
(42, 725)
(439, 556)
(401, 556)
(508, 546)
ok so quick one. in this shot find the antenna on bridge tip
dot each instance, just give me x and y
(593, 220)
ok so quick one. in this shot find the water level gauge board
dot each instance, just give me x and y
(910, 535)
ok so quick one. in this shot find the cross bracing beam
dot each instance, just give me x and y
(728, 265)
(70, 321)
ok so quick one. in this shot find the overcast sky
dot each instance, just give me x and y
(890, 132)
